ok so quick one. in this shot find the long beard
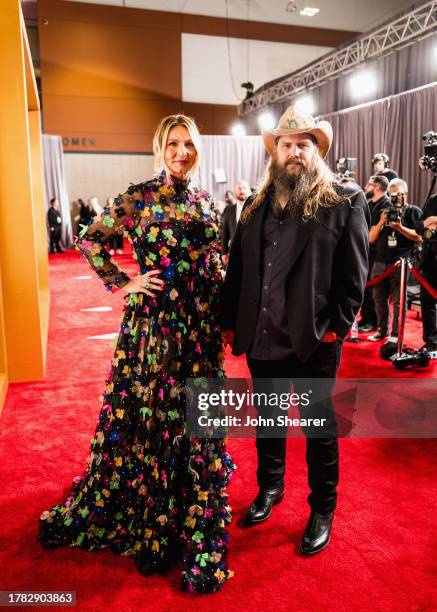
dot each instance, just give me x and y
(294, 188)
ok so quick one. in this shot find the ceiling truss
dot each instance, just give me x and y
(411, 26)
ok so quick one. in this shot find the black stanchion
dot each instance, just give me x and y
(404, 358)
(402, 313)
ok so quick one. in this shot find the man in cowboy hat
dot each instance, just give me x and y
(297, 270)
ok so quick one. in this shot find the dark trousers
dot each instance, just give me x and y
(429, 308)
(389, 288)
(321, 452)
(55, 237)
(368, 310)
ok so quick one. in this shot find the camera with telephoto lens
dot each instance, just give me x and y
(346, 167)
(429, 234)
(429, 158)
(396, 210)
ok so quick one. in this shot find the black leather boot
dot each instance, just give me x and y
(261, 508)
(317, 533)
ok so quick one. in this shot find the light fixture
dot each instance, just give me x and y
(363, 84)
(309, 11)
(238, 129)
(306, 104)
(291, 7)
(249, 87)
(266, 121)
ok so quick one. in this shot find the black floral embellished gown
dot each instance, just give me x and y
(149, 490)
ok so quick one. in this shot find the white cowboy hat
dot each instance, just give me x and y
(296, 122)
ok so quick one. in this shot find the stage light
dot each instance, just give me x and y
(363, 84)
(249, 87)
(266, 121)
(238, 129)
(309, 11)
(306, 104)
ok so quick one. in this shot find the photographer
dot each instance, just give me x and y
(393, 234)
(380, 163)
(427, 228)
(376, 195)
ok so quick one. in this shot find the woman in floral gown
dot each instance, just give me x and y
(149, 490)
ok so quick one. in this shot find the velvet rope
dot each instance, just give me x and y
(423, 282)
(384, 275)
(415, 273)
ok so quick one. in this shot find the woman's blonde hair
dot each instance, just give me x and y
(323, 192)
(160, 139)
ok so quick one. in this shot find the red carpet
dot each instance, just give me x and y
(382, 555)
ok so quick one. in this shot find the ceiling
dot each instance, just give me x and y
(213, 67)
(230, 62)
(354, 15)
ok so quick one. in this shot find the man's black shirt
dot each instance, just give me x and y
(384, 201)
(389, 174)
(272, 338)
(390, 254)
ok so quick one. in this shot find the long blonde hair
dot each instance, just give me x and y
(160, 139)
(322, 192)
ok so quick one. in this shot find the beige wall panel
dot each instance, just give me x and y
(104, 175)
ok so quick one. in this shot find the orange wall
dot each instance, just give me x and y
(24, 292)
(109, 75)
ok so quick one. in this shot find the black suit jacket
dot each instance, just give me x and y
(325, 284)
(229, 224)
(53, 216)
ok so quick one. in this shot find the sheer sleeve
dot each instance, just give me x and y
(123, 215)
(215, 246)
(212, 234)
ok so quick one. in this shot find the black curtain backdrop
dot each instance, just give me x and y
(403, 109)
(394, 126)
(402, 70)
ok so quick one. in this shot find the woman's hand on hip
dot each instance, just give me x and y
(145, 283)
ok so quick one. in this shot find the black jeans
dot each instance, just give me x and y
(368, 310)
(321, 452)
(55, 237)
(389, 288)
